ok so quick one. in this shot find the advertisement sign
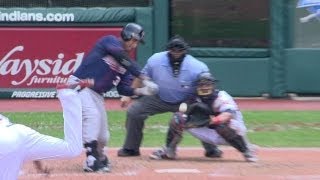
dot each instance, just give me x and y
(34, 60)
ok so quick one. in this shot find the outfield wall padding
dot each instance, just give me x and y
(303, 71)
(241, 76)
(230, 52)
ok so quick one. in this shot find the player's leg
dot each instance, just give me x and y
(103, 137)
(211, 150)
(91, 128)
(236, 140)
(207, 135)
(240, 128)
(173, 138)
(137, 113)
(12, 151)
(229, 135)
(41, 146)
(72, 115)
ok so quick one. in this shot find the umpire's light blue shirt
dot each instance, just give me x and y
(174, 89)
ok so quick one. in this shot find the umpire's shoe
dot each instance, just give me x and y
(128, 152)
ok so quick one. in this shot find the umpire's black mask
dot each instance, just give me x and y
(177, 50)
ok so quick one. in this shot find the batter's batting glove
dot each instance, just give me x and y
(150, 88)
(151, 85)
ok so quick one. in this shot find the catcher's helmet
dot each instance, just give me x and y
(177, 43)
(205, 84)
(132, 31)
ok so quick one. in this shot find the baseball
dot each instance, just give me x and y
(183, 107)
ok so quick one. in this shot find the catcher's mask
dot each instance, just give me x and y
(177, 49)
(205, 85)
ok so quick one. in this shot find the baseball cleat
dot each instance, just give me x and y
(93, 165)
(162, 154)
(77, 86)
(213, 153)
(105, 165)
(250, 156)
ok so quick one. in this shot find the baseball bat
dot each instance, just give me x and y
(309, 17)
(82, 83)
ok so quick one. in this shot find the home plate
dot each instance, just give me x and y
(177, 171)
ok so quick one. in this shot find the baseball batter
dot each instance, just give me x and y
(19, 143)
(109, 65)
(223, 122)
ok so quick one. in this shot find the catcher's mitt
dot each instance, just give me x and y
(198, 115)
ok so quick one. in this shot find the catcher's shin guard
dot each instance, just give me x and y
(232, 137)
(174, 134)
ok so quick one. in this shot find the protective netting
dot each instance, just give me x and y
(74, 3)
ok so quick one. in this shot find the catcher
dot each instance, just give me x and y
(214, 118)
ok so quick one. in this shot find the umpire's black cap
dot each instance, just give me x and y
(177, 43)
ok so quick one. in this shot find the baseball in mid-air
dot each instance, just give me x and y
(183, 107)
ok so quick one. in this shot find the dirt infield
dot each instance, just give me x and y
(274, 163)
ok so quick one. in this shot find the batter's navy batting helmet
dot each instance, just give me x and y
(132, 31)
(177, 43)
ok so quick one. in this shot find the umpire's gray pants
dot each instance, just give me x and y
(138, 112)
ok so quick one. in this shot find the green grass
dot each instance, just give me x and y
(265, 128)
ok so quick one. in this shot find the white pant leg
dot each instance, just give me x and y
(238, 126)
(212, 137)
(12, 152)
(43, 147)
(92, 116)
(104, 134)
(19, 143)
(103, 129)
(207, 135)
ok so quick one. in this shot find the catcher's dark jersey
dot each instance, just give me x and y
(107, 73)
